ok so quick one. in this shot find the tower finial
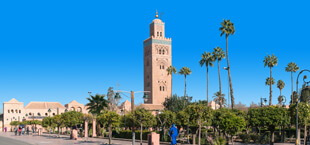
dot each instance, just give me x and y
(156, 16)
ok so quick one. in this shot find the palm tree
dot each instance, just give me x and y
(280, 100)
(270, 61)
(228, 28)
(97, 104)
(185, 71)
(280, 85)
(219, 54)
(207, 59)
(219, 98)
(269, 82)
(292, 67)
(171, 70)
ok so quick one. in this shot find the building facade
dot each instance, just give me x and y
(15, 110)
(157, 58)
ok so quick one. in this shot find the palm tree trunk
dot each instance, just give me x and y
(270, 98)
(199, 134)
(207, 85)
(141, 134)
(230, 84)
(292, 86)
(185, 86)
(218, 66)
(171, 84)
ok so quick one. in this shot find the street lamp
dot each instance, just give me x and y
(261, 101)
(145, 97)
(66, 110)
(297, 143)
(49, 112)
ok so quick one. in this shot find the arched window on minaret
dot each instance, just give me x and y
(163, 67)
(163, 88)
(159, 66)
(163, 51)
(159, 51)
(157, 34)
(159, 88)
(160, 34)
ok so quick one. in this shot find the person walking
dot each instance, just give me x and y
(173, 133)
(15, 130)
(20, 131)
(5, 129)
(23, 130)
(27, 130)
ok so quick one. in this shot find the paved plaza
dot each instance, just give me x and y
(47, 139)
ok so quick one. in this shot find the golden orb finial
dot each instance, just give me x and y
(156, 16)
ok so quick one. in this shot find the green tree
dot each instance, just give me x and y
(207, 59)
(171, 70)
(166, 118)
(185, 71)
(199, 115)
(295, 98)
(270, 61)
(144, 118)
(15, 123)
(230, 123)
(58, 120)
(292, 67)
(219, 98)
(280, 100)
(269, 117)
(109, 119)
(47, 122)
(270, 82)
(219, 54)
(112, 102)
(303, 116)
(175, 103)
(72, 118)
(228, 28)
(35, 123)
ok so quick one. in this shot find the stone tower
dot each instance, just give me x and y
(157, 58)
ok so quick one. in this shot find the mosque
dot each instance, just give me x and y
(157, 55)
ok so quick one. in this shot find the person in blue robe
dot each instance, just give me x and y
(173, 133)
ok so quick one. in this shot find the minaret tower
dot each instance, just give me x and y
(157, 58)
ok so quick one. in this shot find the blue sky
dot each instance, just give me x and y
(60, 50)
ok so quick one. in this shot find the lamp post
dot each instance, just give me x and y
(188, 99)
(145, 97)
(297, 139)
(261, 101)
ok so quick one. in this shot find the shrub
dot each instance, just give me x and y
(128, 134)
(219, 141)
(265, 138)
(246, 138)
(255, 138)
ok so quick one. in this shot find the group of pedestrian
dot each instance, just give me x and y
(20, 130)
